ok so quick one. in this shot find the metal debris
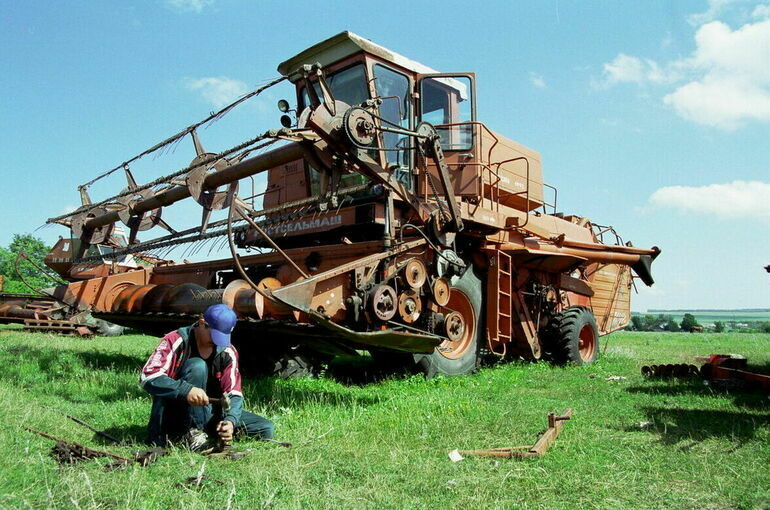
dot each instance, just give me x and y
(555, 424)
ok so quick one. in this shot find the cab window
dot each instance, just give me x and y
(393, 89)
(348, 85)
(447, 100)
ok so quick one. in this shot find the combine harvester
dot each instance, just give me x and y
(392, 221)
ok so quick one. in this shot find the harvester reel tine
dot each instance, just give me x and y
(162, 223)
(205, 219)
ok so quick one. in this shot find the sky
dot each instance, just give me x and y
(651, 117)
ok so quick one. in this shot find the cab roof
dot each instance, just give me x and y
(342, 46)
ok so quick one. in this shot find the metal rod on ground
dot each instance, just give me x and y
(90, 450)
(91, 428)
(555, 424)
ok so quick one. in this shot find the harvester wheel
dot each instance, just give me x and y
(459, 354)
(104, 328)
(572, 337)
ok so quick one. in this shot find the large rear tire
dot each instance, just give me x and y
(573, 337)
(459, 356)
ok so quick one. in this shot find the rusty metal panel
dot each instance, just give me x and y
(611, 302)
(496, 151)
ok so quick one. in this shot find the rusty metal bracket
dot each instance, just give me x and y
(555, 424)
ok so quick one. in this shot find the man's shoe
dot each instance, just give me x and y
(196, 440)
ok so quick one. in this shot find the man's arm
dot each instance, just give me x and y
(155, 377)
(230, 382)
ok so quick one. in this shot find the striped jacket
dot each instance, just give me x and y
(159, 375)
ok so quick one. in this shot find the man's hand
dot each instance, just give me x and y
(197, 397)
(225, 430)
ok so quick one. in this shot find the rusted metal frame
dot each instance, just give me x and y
(267, 238)
(555, 197)
(602, 255)
(544, 442)
(171, 178)
(475, 123)
(613, 296)
(268, 258)
(364, 164)
(304, 288)
(526, 160)
(494, 311)
(45, 271)
(608, 247)
(483, 165)
(251, 166)
(527, 325)
(456, 222)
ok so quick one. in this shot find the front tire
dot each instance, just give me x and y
(461, 355)
(573, 337)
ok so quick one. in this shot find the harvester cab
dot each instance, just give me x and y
(392, 221)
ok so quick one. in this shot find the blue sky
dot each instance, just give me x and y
(653, 117)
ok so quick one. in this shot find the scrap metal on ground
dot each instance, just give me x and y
(717, 368)
(555, 425)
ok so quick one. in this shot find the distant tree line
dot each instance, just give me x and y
(664, 322)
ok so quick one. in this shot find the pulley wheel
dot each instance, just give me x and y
(209, 199)
(441, 291)
(98, 235)
(269, 283)
(415, 273)
(360, 126)
(409, 306)
(144, 221)
(454, 326)
(383, 302)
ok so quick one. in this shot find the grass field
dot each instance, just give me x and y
(358, 443)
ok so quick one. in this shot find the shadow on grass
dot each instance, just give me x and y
(93, 360)
(57, 372)
(276, 393)
(363, 370)
(687, 427)
(741, 395)
(129, 434)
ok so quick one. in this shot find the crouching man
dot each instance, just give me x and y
(189, 366)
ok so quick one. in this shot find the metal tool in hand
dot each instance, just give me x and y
(224, 402)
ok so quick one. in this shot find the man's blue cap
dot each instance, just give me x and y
(221, 320)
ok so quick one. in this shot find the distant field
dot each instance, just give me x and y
(712, 316)
(361, 441)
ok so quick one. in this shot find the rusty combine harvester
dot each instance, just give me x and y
(393, 221)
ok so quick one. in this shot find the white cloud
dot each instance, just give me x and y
(737, 199)
(218, 91)
(761, 11)
(189, 5)
(715, 8)
(726, 79)
(731, 82)
(537, 80)
(628, 69)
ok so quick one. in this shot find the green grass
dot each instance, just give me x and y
(384, 444)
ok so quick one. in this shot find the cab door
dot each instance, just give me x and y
(448, 102)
